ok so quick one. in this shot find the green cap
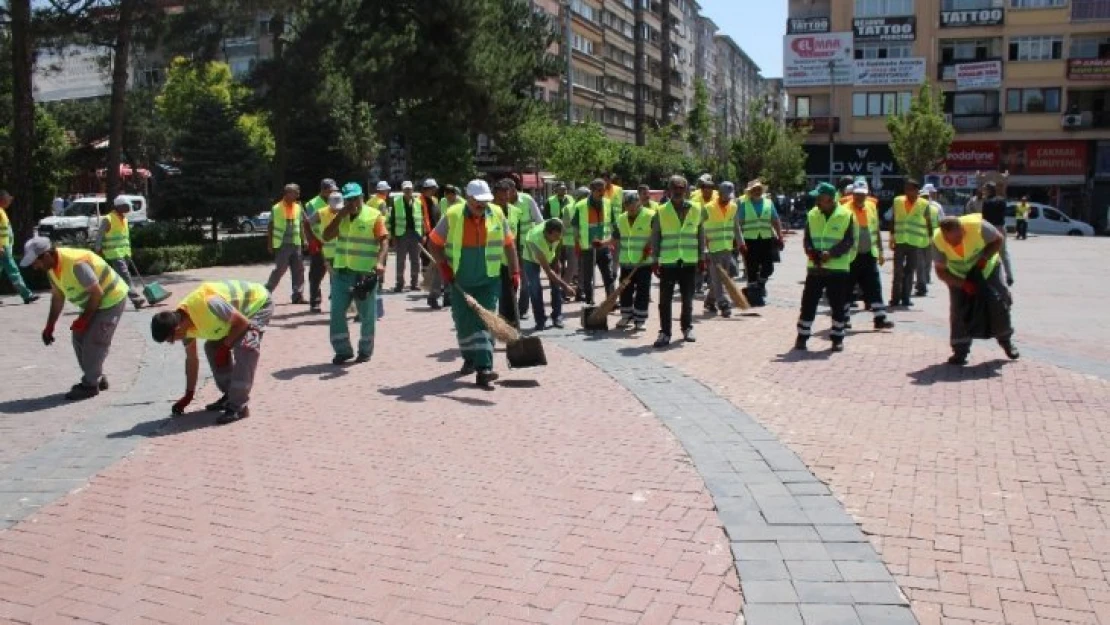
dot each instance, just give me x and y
(352, 190)
(823, 188)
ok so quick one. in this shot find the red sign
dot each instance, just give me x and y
(973, 156)
(1059, 158)
(1089, 69)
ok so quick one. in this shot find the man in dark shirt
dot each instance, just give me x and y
(994, 213)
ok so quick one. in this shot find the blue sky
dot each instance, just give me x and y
(756, 25)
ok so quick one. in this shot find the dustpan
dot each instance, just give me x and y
(153, 292)
(526, 351)
(594, 322)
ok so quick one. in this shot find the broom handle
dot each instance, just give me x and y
(135, 268)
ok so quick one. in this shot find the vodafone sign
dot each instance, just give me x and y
(974, 156)
(806, 59)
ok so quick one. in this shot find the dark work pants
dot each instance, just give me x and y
(1023, 228)
(602, 258)
(865, 274)
(683, 276)
(317, 269)
(506, 304)
(636, 297)
(834, 285)
(905, 268)
(759, 262)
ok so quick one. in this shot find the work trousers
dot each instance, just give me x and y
(288, 258)
(834, 286)
(475, 341)
(1023, 229)
(236, 379)
(342, 281)
(759, 262)
(1004, 254)
(408, 249)
(532, 273)
(905, 267)
(998, 309)
(7, 261)
(523, 293)
(507, 301)
(717, 294)
(682, 275)
(636, 297)
(91, 346)
(923, 269)
(602, 258)
(123, 268)
(865, 274)
(570, 264)
(317, 270)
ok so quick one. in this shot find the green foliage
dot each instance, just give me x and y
(653, 163)
(532, 142)
(920, 137)
(188, 84)
(166, 234)
(582, 152)
(771, 152)
(697, 121)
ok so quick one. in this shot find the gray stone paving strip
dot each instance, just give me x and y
(67, 462)
(801, 558)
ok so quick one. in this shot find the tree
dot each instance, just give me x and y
(532, 142)
(920, 137)
(698, 121)
(22, 46)
(771, 152)
(582, 152)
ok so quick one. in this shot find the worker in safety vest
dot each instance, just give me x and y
(361, 251)
(405, 221)
(1021, 218)
(380, 199)
(909, 234)
(7, 259)
(230, 317)
(321, 219)
(633, 235)
(966, 253)
(703, 197)
(86, 281)
(644, 191)
(761, 230)
(722, 236)
(317, 262)
(431, 210)
(614, 192)
(594, 217)
(113, 243)
(924, 274)
(286, 235)
(540, 254)
(864, 269)
(678, 237)
(829, 242)
(561, 206)
(523, 213)
(469, 244)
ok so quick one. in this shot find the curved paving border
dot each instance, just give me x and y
(800, 556)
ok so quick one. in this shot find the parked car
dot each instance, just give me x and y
(258, 223)
(1044, 219)
(81, 219)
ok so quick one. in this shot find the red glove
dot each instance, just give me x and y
(446, 273)
(80, 324)
(596, 244)
(702, 266)
(314, 247)
(516, 281)
(969, 288)
(655, 269)
(647, 251)
(180, 405)
(222, 358)
(982, 264)
(814, 256)
(48, 335)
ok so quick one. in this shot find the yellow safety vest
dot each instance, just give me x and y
(758, 225)
(635, 236)
(277, 218)
(495, 237)
(871, 214)
(245, 297)
(317, 204)
(565, 212)
(679, 238)
(524, 213)
(377, 201)
(117, 241)
(961, 264)
(825, 233)
(5, 230)
(720, 229)
(62, 277)
(357, 245)
(697, 200)
(324, 217)
(911, 228)
(615, 191)
(582, 210)
(400, 213)
(535, 237)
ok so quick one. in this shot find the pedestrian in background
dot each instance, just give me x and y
(113, 243)
(7, 260)
(1021, 218)
(317, 263)
(406, 228)
(287, 232)
(909, 234)
(994, 213)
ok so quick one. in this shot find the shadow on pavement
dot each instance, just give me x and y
(440, 386)
(642, 350)
(33, 404)
(169, 426)
(304, 313)
(519, 383)
(325, 370)
(447, 355)
(299, 324)
(944, 372)
(796, 355)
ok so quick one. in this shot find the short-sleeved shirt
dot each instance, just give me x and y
(990, 235)
(85, 275)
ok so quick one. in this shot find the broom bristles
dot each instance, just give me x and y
(428, 277)
(734, 292)
(498, 327)
(601, 312)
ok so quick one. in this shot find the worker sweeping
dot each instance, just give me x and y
(966, 259)
(468, 244)
(722, 236)
(864, 268)
(113, 243)
(230, 317)
(633, 235)
(90, 284)
(679, 234)
(829, 239)
(541, 253)
(7, 260)
(594, 216)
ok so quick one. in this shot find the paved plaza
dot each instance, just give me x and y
(725, 481)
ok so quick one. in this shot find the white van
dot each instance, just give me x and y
(81, 219)
(1044, 219)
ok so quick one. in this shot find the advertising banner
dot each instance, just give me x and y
(981, 75)
(807, 25)
(902, 28)
(968, 19)
(806, 59)
(1089, 69)
(974, 156)
(874, 72)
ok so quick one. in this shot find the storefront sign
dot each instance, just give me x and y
(981, 75)
(978, 17)
(1089, 69)
(1055, 158)
(807, 25)
(973, 156)
(885, 28)
(872, 72)
(953, 180)
(1102, 162)
(862, 159)
(806, 59)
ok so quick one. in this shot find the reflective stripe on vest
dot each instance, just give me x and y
(400, 213)
(245, 297)
(635, 236)
(825, 233)
(758, 225)
(357, 245)
(524, 216)
(680, 239)
(720, 229)
(495, 224)
(117, 241)
(870, 214)
(582, 210)
(536, 237)
(911, 228)
(958, 264)
(324, 217)
(113, 287)
(317, 204)
(277, 218)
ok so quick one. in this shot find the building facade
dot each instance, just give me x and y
(1026, 85)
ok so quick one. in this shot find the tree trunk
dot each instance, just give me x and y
(281, 104)
(23, 101)
(119, 94)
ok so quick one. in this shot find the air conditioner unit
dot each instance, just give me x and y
(1073, 121)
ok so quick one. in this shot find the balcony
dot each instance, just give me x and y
(975, 122)
(816, 125)
(1089, 10)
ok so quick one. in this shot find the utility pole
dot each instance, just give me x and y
(568, 33)
(640, 69)
(668, 24)
(831, 119)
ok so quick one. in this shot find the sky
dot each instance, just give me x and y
(757, 26)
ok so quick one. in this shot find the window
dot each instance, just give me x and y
(959, 50)
(583, 45)
(1054, 215)
(966, 5)
(801, 107)
(1090, 47)
(880, 8)
(1037, 48)
(1033, 100)
(1090, 9)
(883, 50)
(880, 104)
(1037, 4)
(586, 11)
(973, 110)
(586, 80)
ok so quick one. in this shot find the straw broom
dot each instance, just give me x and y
(734, 292)
(498, 327)
(597, 317)
(428, 276)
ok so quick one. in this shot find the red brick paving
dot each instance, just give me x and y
(386, 492)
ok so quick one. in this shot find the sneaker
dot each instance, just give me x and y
(726, 312)
(958, 359)
(1011, 351)
(217, 406)
(883, 324)
(341, 359)
(688, 336)
(663, 340)
(624, 322)
(32, 299)
(486, 378)
(299, 299)
(433, 303)
(467, 369)
(800, 344)
(80, 391)
(231, 415)
(838, 346)
(557, 322)
(637, 326)
(399, 289)
(103, 383)
(362, 358)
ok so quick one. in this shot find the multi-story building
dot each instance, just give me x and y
(1026, 84)
(774, 97)
(739, 83)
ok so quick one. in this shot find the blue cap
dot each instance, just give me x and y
(352, 190)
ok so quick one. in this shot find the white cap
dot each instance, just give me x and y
(33, 249)
(430, 183)
(479, 190)
(928, 189)
(848, 190)
(383, 186)
(406, 185)
(335, 199)
(121, 201)
(860, 187)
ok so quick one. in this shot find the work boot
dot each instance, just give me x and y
(883, 323)
(920, 293)
(400, 288)
(103, 384)
(362, 358)
(838, 346)
(414, 287)
(557, 322)
(217, 406)
(1009, 281)
(137, 303)
(1011, 351)
(299, 299)
(710, 307)
(726, 312)
(232, 415)
(663, 340)
(637, 326)
(486, 378)
(688, 336)
(433, 303)
(625, 321)
(467, 369)
(958, 358)
(80, 391)
(314, 308)
(800, 344)
(34, 297)
(341, 359)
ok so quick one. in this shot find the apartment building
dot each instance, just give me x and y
(1026, 85)
(774, 98)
